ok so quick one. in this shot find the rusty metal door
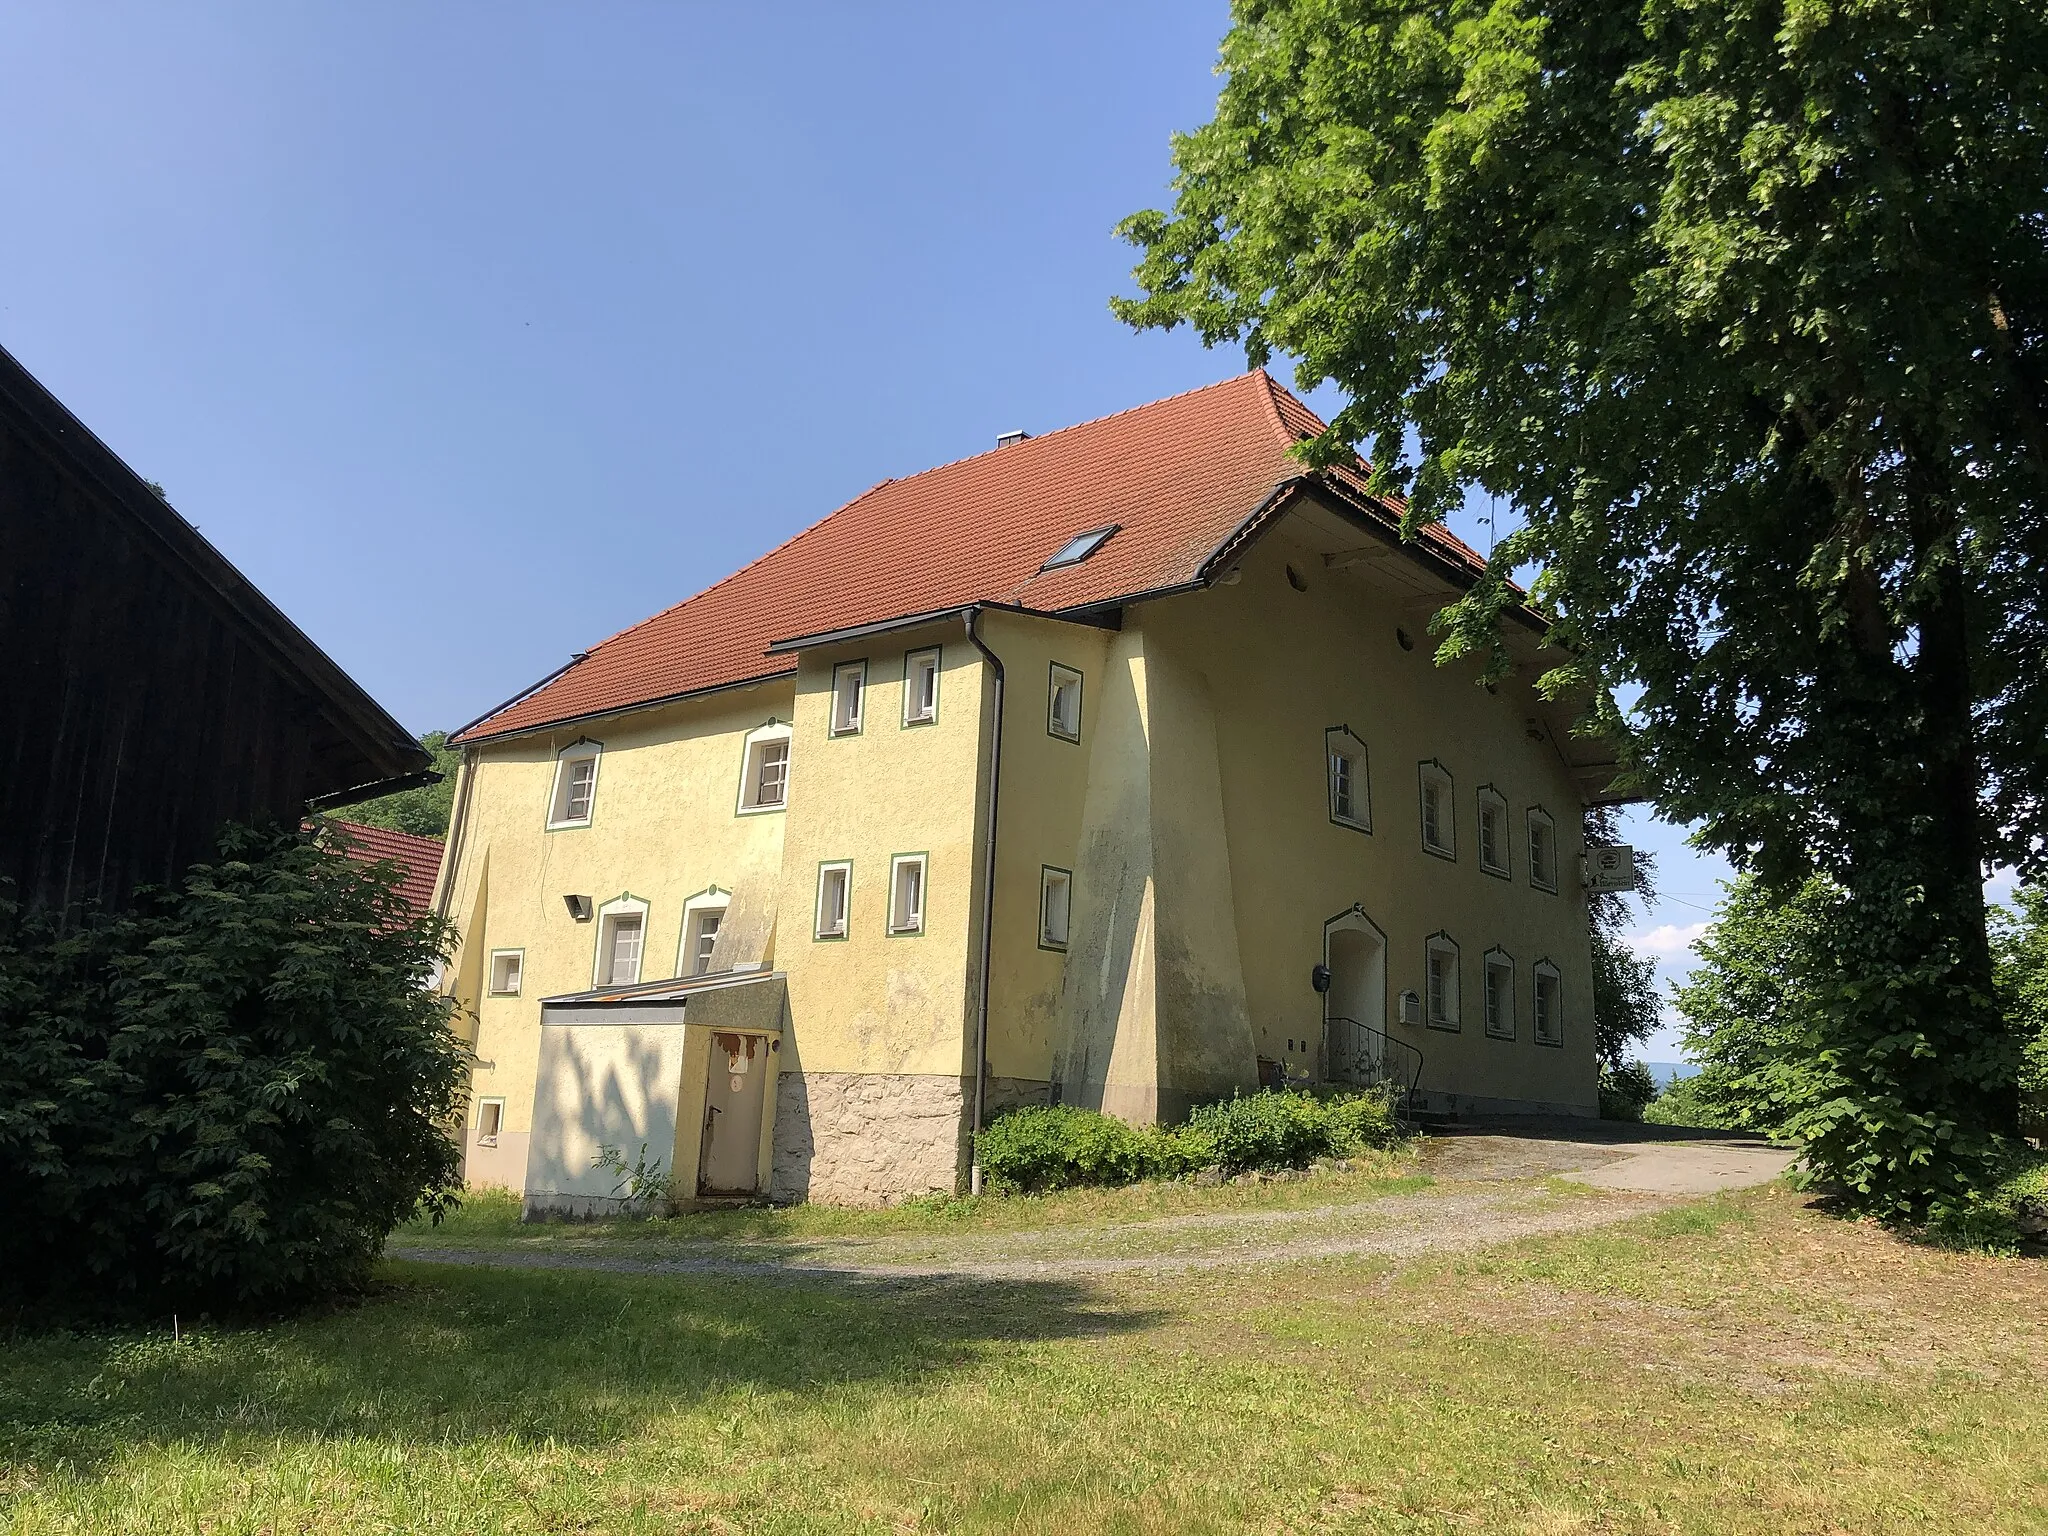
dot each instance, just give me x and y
(730, 1160)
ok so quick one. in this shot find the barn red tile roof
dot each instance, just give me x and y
(1180, 477)
(419, 857)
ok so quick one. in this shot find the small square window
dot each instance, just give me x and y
(835, 888)
(1500, 996)
(920, 687)
(575, 788)
(906, 893)
(1440, 978)
(506, 965)
(1350, 783)
(1439, 827)
(1493, 833)
(1063, 704)
(1055, 905)
(490, 1121)
(1549, 1005)
(849, 684)
(1542, 850)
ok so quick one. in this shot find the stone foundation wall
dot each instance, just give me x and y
(870, 1138)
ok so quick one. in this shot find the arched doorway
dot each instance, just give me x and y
(1355, 1006)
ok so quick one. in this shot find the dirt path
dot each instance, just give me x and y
(1488, 1196)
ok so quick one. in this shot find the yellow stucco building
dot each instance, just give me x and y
(1111, 766)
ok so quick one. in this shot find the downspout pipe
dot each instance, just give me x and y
(988, 897)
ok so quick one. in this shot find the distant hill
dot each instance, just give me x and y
(1666, 1073)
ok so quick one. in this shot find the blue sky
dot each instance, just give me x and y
(476, 333)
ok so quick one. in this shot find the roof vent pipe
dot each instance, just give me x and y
(1018, 435)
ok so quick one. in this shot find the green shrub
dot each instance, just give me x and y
(228, 1096)
(1625, 1091)
(1684, 1104)
(1999, 1219)
(1060, 1146)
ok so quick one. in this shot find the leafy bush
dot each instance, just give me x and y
(1625, 1090)
(228, 1096)
(1684, 1104)
(2012, 1211)
(1060, 1146)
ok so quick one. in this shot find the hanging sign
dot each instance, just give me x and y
(1610, 869)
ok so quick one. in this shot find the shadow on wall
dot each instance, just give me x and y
(619, 1097)
(455, 1356)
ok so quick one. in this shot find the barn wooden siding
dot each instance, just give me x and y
(149, 692)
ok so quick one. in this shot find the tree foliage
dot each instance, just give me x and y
(1625, 1005)
(1744, 305)
(2020, 948)
(228, 1096)
(424, 810)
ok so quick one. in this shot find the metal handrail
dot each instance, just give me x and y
(1343, 1057)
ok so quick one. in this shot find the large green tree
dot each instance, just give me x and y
(1744, 304)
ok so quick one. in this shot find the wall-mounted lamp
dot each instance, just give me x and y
(1319, 978)
(579, 907)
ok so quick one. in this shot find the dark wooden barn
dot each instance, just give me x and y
(148, 692)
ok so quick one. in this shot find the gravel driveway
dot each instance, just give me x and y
(1491, 1189)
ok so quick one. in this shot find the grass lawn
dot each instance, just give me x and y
(1743, 1364)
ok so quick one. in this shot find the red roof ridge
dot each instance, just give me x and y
(1274, 390)
(1076, 426)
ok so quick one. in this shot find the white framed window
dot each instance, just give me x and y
(835, 896)
(921, 687)
(1493, 832)
(1440, 981)
(1063, 703)
(1439, 820)
(621, 939)
(1542, 849)
(1500, 994)
(849, 693)
(1547, 998)
(1350, 782)
(703, 916)
(764, 769)
(906, 893)
(1055, 906)
(574, 794)
(490, 1121)
(506, 966)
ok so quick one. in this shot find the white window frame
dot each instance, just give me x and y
(914, 664)
(1429, 772)
(844, 928)
(1500, 1021)
(1340, 742)
(849, 682)
(1440, 1006)
(1539, 973)
(489, 1138)
(606, 925)
(711, 899)
(1537, 817)
(591, 752)
(754, 750)
(908, 925)
(1051, 935)
(518, 959)
(1058, 676)
(1489, 799)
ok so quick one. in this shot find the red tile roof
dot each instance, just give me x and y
(1180, 477)
(419, 857)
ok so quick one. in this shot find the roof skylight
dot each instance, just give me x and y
(1080, 547)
